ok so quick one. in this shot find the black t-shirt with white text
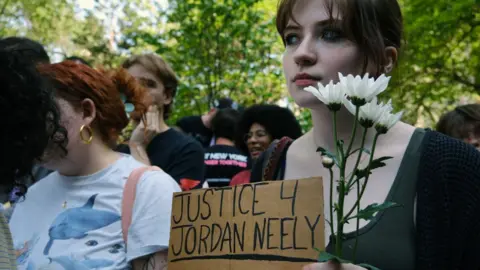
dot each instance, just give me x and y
(222, 162)
(178, 155)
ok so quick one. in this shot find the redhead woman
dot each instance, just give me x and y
(72, 219)
(435, 178)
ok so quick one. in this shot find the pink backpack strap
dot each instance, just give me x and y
(129, 193)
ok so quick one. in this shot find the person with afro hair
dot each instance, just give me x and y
(258, 127)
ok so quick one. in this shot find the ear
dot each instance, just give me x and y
(167, 99)
(89, 110)
(391, 55)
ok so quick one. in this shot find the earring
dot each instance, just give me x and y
(90, 132)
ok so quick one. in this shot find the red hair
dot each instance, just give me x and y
(76, 82)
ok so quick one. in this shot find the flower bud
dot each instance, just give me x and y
(327, 162)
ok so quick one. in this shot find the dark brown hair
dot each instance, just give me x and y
(372, 24)
(158, 67)
(461, 122)
(76, 82)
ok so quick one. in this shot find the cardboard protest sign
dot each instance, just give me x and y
(266, 225)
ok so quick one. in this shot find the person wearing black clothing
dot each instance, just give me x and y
(200, 126)
(152, 141)
(223, 160)
(30, 52)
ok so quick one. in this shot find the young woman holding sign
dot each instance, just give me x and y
(435, 178)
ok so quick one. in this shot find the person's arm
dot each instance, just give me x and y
(158, 261)
(188, 167)
(149, 233)
(139, 152)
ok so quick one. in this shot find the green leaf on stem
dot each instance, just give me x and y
(368, 212)
(326, 257)
(376, 163)
(325, 152)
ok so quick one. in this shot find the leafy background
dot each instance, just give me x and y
(230, 48)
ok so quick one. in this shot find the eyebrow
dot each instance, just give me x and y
(292, 27)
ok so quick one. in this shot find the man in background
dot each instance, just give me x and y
(154, 142)
(223, 160)
(200, 126)
(462, 123)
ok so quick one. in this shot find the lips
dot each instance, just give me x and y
(305, 79)
(256, 151)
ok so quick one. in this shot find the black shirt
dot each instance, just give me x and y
(222, 162)
(178, 155)
(193, 126)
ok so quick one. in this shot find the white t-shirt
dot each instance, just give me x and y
(74, 223)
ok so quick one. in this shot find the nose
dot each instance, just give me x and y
(306, 53)
(251, 139)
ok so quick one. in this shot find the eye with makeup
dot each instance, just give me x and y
(331, 34)
(291, 39)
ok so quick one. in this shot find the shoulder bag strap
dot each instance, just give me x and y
(129, 193)
(272, 158)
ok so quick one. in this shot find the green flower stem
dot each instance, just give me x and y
(354, 132)
(331, 200)
(335, 136)
(350, 182)
(358, 224)
(366, 179)
(341, 196)
(359, 158)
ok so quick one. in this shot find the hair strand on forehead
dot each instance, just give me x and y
(373, 25)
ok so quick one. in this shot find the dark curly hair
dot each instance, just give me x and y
(29, 50)
(30, 116)
(277, 121)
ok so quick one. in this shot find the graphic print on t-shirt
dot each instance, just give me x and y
(75, 223)
(222, 163)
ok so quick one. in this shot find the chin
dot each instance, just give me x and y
(305, 100)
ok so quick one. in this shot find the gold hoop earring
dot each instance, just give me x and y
(90, 132)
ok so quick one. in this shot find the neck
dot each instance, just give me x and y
(224, 141)
(161, 124)
(323, 123)
(97, 157)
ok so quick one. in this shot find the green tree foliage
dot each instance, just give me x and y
(231, 48)
(219, 48)
(441, 59)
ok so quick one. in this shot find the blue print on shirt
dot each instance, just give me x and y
(75, 223)
(70, 263)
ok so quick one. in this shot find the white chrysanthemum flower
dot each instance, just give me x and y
(331, 95)
(362, 90)
(371, 112)
(387, 121)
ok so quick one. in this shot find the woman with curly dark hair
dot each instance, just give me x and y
(30, 120)
(81, 214)
(259, 126)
